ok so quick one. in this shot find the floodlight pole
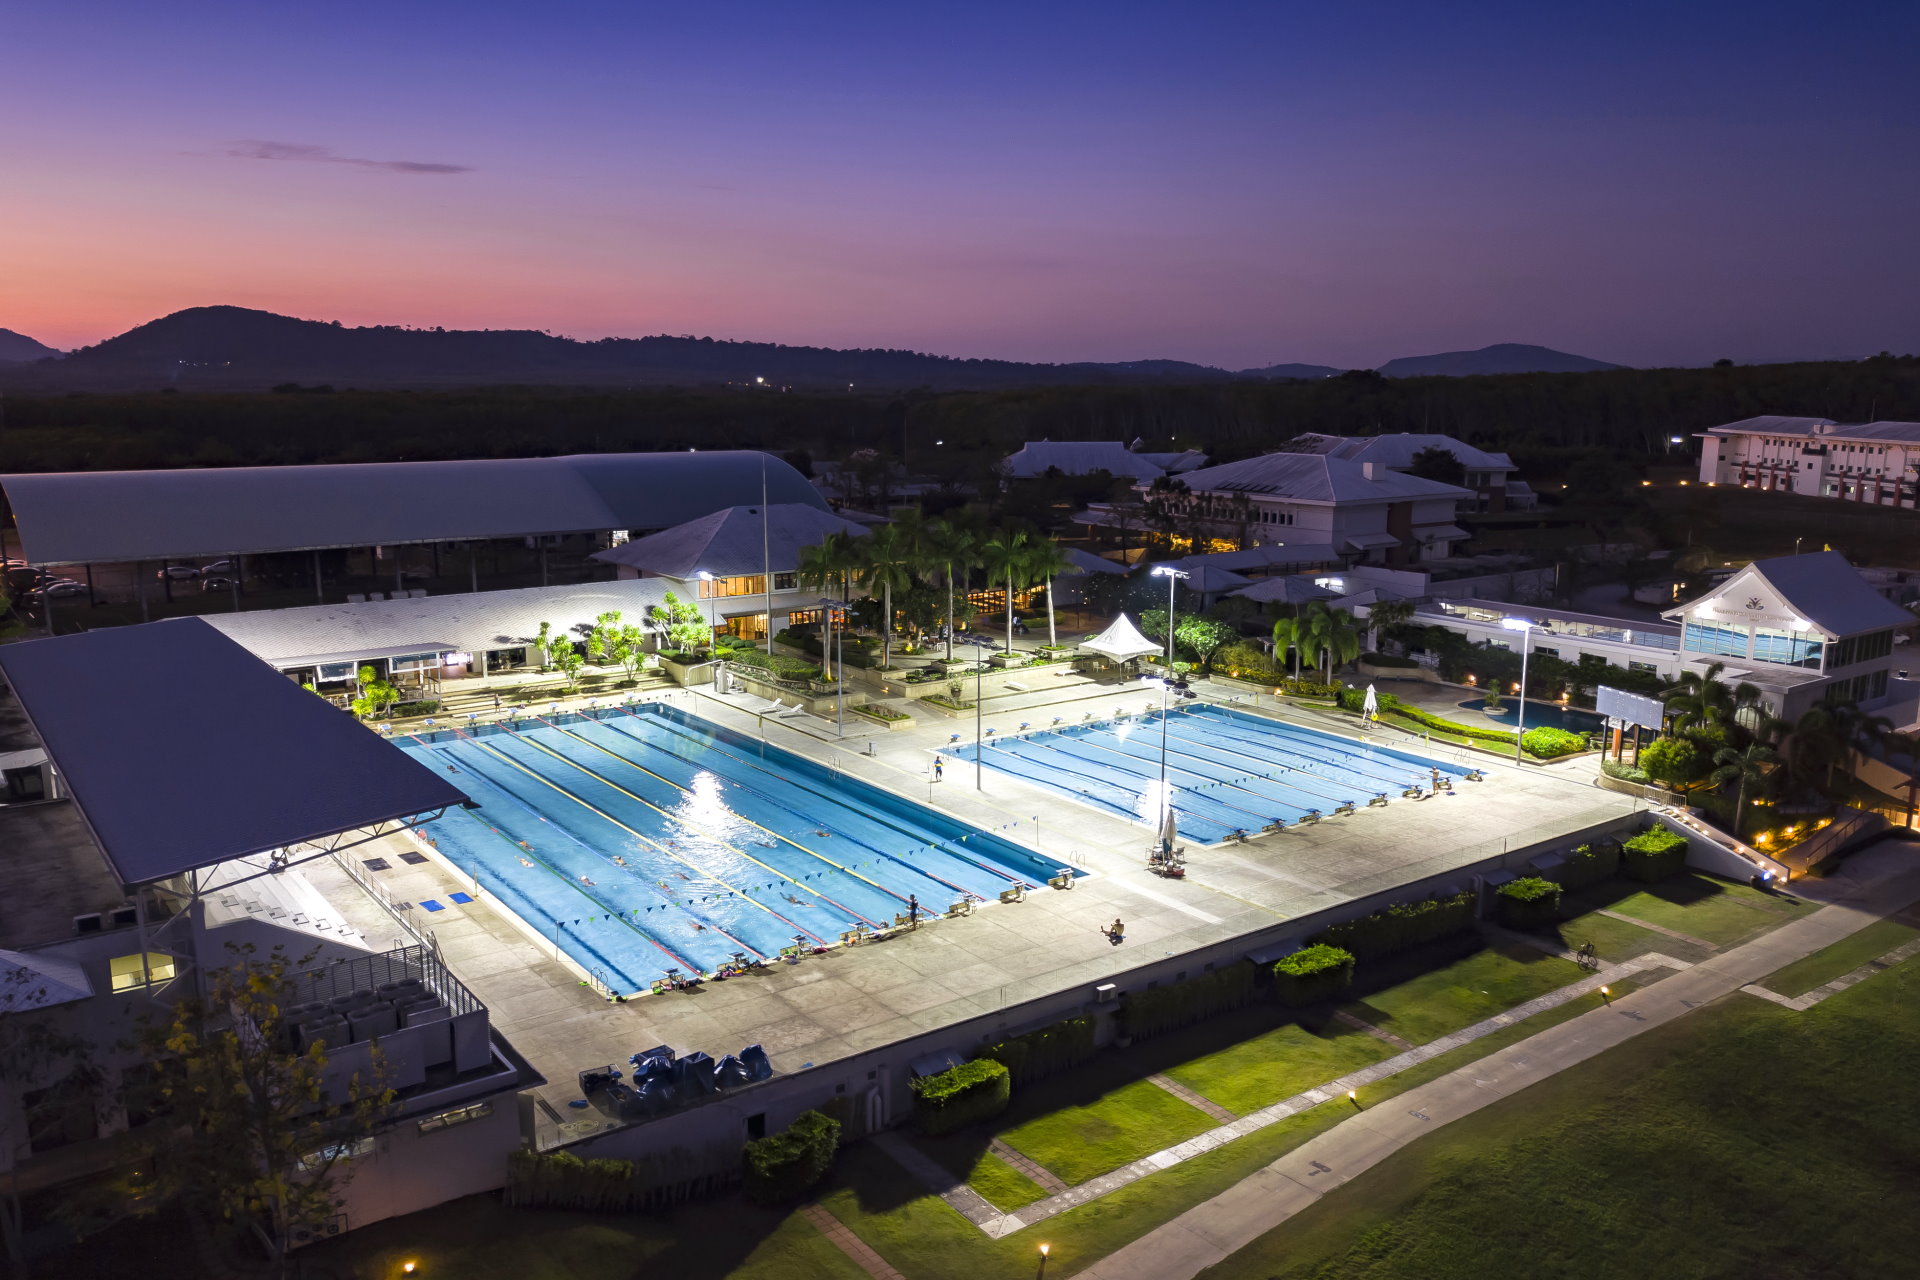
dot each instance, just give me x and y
(1172, 575)
(1526, 630)
(980, 664)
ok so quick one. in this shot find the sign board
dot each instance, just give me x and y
(1629, 708)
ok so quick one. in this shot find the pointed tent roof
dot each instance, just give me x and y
(1121, 641)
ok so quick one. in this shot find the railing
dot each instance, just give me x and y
(378, 892)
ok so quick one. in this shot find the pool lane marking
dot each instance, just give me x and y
(1200, 790)
(1241, 749)
(1391, 768)
(725, 844)
(569, 881)
(647, 840)
(1193, 793)
(760, 767)
(686, 791)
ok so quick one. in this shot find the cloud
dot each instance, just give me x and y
(253, 149)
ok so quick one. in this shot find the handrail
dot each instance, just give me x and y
(378, 892)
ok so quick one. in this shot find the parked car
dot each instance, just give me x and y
(178, 572)
(217, 583)
(63, 588)
(218, 566)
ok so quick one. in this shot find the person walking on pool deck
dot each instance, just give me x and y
(913, 911)
(939, 768)
(1117, 934)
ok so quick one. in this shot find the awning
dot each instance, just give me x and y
(1442, 533)
(1085, 562)
(1372, 541)
(368, 655)
(1290, 589)
(1121, 641)
(1208, 578)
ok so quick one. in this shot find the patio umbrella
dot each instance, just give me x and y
(1371, 707)
(1169, 826)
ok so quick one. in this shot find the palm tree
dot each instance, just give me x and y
(1045, 562)
(1385, 616)
(1289, 633)
(832, 562)
(953, 547)
(1815, 743)
(1750, 766)
(1331, 633)
(884, 563)
(1701, 700)
(1005, 557)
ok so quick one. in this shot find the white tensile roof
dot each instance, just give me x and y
(1121, 641)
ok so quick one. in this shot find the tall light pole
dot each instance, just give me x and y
(837, 661)
(713, 624)
(1172, 575)
(1526, 629)
(979, 667)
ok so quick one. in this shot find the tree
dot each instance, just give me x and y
(955, 548)
(1750, 767)
(1437, 463)
(544, 643)
(620, 643)
(1005, 557)
(568, 661)
(886, 565)
(1202, 636)
(258, 1132)
(376, 695)
(687, 629)
(1288, 632)
(830, 563)
(46, 1067)
(1674, 761)
(1045, 562)
(1701, 700)
(1331, 634)
(1386, 616)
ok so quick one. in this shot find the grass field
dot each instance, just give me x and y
(967, 1157)
(1616, 940)
(1469, 990)
(1082, 1141)
(1276, 1064)
(1743, 1140)
(1843, 957)
(1705, 907)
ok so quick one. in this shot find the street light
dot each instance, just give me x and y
(1172, 575)
(713, 625)
(1527, 629)
(827, 654)
(979, 667)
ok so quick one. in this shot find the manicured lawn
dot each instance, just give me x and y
(965, 1156)
(1082, 1141)
(1615, 940)
(1742, 1140)
(1713, 910)
(1843, 957)
(477, 1239)
(1468, 990)
(1278, 1064)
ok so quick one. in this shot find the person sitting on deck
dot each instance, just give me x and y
(1117, 934)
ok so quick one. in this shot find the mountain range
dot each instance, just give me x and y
(235, 348)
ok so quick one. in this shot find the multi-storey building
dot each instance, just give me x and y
(1492, 476)
(1874, 462)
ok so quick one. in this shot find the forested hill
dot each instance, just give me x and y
(236, 349)
(1626, 413)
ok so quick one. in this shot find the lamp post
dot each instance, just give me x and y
(979, 667)
(838, 658)
(1526, 629)
(1172, 575)
(713, 624)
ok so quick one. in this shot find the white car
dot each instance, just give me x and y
(218, 566)
(65, 588)
(178, 572)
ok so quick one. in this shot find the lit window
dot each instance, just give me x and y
(320, 1159)
(459, 1115)
(130, 973)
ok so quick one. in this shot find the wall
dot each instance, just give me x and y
(409, 1170)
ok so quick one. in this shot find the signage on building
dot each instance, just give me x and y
(1752, 607)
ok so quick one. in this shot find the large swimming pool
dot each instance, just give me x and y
(1228, 770)
(647, 839)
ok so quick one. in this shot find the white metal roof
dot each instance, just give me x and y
(731, 541)
(1396, 449)
(1287, 589)
(81, 517)
(1819, 588)
(1080, 458)
(469, 622)
(181, 750)
(1312, 477)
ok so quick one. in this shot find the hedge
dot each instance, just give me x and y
(1355, 700)
(1050, 1050)
(781, 668)
(1545, 742)
(1590, 864)
(407, 710)
(1244, 660)
(1654, 854)
(783, 1166)
(858, 651)
(960, 1096)
(1402, 925)
(1312, 974)
(1528, 903)
(562, 1180)
(1179, 1004)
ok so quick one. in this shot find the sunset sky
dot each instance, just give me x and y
(1238, 185)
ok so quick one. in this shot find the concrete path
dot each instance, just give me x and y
(1873, 884)
(850, 1244)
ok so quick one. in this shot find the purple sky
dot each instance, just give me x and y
(1236, 185)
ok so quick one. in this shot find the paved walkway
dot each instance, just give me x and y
(1873, 884)
(1839, 984)
(850, 1244)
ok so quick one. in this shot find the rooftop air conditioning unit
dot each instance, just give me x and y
(125, 917)
(92, 923)
(1106, 992)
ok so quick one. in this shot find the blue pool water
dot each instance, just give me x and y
(726, 844)
(1227, 770)
(1550, 714)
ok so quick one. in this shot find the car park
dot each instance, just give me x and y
(63, 589)
(218, 566)
(178, 572)
(217, 583)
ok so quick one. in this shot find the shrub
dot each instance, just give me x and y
(1039, 1054)
(1622, 770)
(1590, 864)
(1402, 925)
(1387, 660)
(404, 710)
(1355, 699)
(960, 1096)
(1312, 974)
(1654, 854)
(780, 668)
(886, 715)
(1546, 742)
(782, 1166)
(1674, 761)
(1177, 1004)
(562, 1180)
(1528, 903)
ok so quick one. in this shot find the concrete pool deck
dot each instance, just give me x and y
(849, 1000)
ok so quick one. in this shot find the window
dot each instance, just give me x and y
(315, 1160)
(1551, 653)
(131, 973)
(722, 588)
(416, 662)
(330, 671)
(1641, 666)
(459, 1115)
(786, 581)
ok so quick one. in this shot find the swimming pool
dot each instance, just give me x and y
(1228, 770)
(647, 839)
(1550, 714)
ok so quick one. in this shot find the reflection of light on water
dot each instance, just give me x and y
(1153, 800)
(1123, 729)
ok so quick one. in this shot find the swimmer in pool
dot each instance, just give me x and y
(585, 880)
(619, 861)
(526, 862)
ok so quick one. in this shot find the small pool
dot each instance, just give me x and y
(1550, 714)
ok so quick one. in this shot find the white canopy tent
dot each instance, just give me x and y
(1121, 641)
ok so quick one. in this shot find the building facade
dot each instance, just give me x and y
(1874, 462)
